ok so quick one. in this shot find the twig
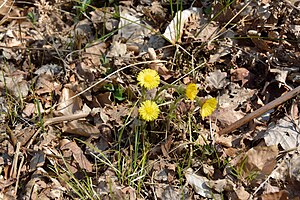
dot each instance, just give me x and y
(260, 111)
(13, 172)
(18, 175)
(57, 120)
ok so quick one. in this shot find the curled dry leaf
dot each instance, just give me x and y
(68, 106)
(281, 75)
(38, 160)
(168, 192)
(174, 30)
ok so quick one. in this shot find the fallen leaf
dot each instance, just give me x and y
(284, 132)
(198, 183)
(281, 195)
(235, 97)
(281, 74)
(67, 106)
(258, 161)
(132, 27)
(221, 185)
(174, 30)
(37, 160)
(227, 116)
(217, 79)
(78, 155)
(50, 69)
(29, 109)
(95, 52)
(240, 74)
(117, 49)
(79, 127)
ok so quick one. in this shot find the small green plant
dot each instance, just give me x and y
(82, 7)
(241, 173)
(32, 17)
(117, 91)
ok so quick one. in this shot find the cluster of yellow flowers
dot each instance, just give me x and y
(149, 79)
(209, 105)
(149, 110)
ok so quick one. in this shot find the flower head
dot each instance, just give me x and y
(148, 78)
(191, 91)
(149, 110)
(208, 107)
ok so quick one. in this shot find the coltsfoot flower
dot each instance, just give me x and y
(191, 91)
(209, 107)
(149, 110)
(148, 78)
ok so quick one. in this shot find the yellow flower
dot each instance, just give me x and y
(208, 107)
(148, 78)
(149, 110)
(191, 91)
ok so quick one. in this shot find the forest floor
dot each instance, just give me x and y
(141, 99)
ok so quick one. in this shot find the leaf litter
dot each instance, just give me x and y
(70, 126)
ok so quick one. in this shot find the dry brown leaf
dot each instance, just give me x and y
(132, 27)
(79, 127)
(168, 192)
(281, 195)
(221, 51)
(46, 84)
(15, 83)
(239, 193)
(224, 140)
(49, 69)
(78, 155)
(157, 9)
(95, 52)
(240, 74)
(29, 109)
(258, 160)
(162, 70)
(227, 116)
(23, 135)
(235, 96)
(86, 70)
(117, 49)
(66, 106)
(221, 185)
(5, 7)
(207, 32)
(260, 44)
(281, 74)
